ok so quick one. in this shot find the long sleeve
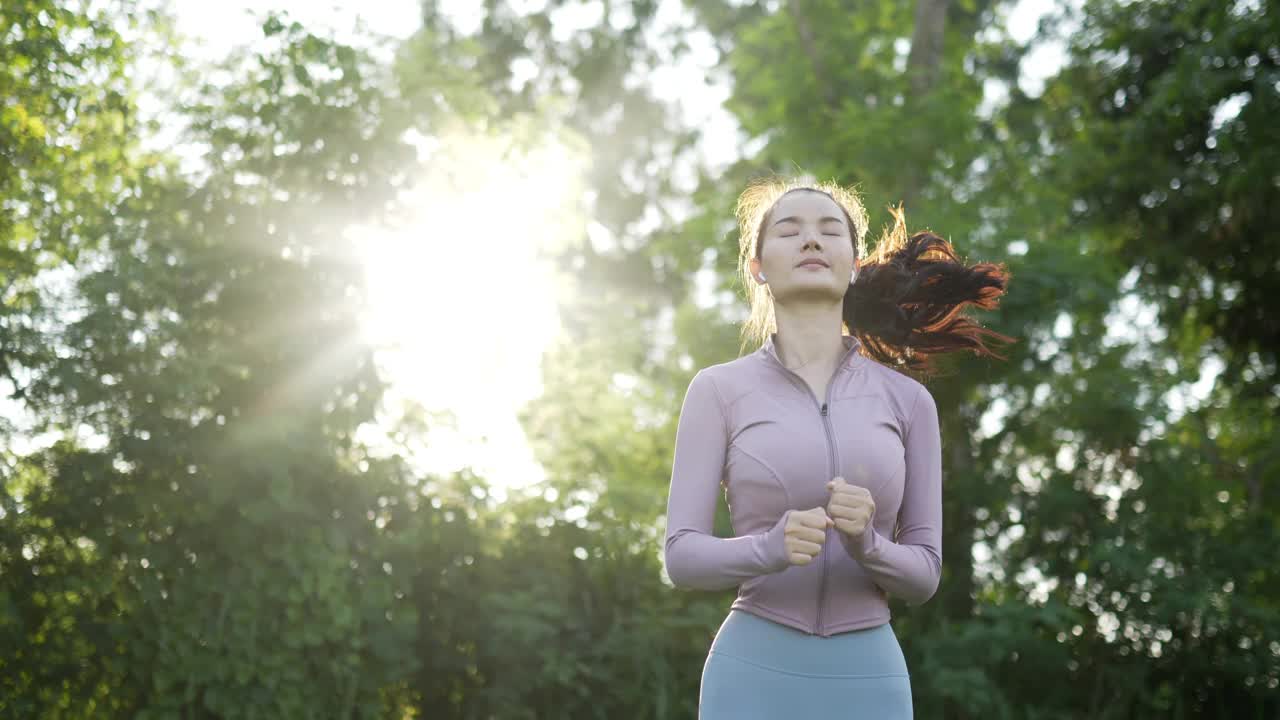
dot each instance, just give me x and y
(911, 567)
(694, 557)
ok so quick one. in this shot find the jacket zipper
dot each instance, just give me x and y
(831, 465)
(831, 470)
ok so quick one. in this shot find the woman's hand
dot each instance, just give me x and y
(806, 532)
(851, 507)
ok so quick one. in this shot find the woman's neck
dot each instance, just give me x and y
(809, 337)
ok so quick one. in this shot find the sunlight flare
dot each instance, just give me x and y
(462, 297)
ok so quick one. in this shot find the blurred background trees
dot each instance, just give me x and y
(195, 521)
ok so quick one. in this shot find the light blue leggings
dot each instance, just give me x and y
(758, 669)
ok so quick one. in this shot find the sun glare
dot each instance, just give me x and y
(461, 301)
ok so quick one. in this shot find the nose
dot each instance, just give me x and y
(811, 240)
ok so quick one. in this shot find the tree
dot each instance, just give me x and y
(1156, 132)
(211, 551)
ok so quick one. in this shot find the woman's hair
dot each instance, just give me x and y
(907, 302)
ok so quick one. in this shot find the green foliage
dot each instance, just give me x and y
(65, 111)
(1186, 92)
(215, 552)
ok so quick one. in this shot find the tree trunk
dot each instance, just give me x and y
(926, 45)
(923, 63)
(809, 46)
(958, 605)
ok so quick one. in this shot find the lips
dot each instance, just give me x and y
(813, 261)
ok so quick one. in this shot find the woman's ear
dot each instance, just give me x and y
(754, 265)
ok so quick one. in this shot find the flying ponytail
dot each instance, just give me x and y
(907, 304)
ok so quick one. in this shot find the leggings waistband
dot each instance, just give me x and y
(870, 652)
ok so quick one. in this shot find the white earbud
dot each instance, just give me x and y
(761, 276)
(854, 277)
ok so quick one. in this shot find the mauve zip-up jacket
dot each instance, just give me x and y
(757, 430)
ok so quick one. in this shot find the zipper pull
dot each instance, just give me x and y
(824, 409)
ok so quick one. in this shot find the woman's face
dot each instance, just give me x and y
(806, 249)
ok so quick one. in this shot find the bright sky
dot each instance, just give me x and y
(484, 366)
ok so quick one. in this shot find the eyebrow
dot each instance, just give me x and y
(792, 218)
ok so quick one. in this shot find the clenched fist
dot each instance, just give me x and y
(851, 507)
(806, 532)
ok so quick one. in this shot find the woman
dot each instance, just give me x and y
(829, 452)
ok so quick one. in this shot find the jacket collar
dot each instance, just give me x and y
(852, 356)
